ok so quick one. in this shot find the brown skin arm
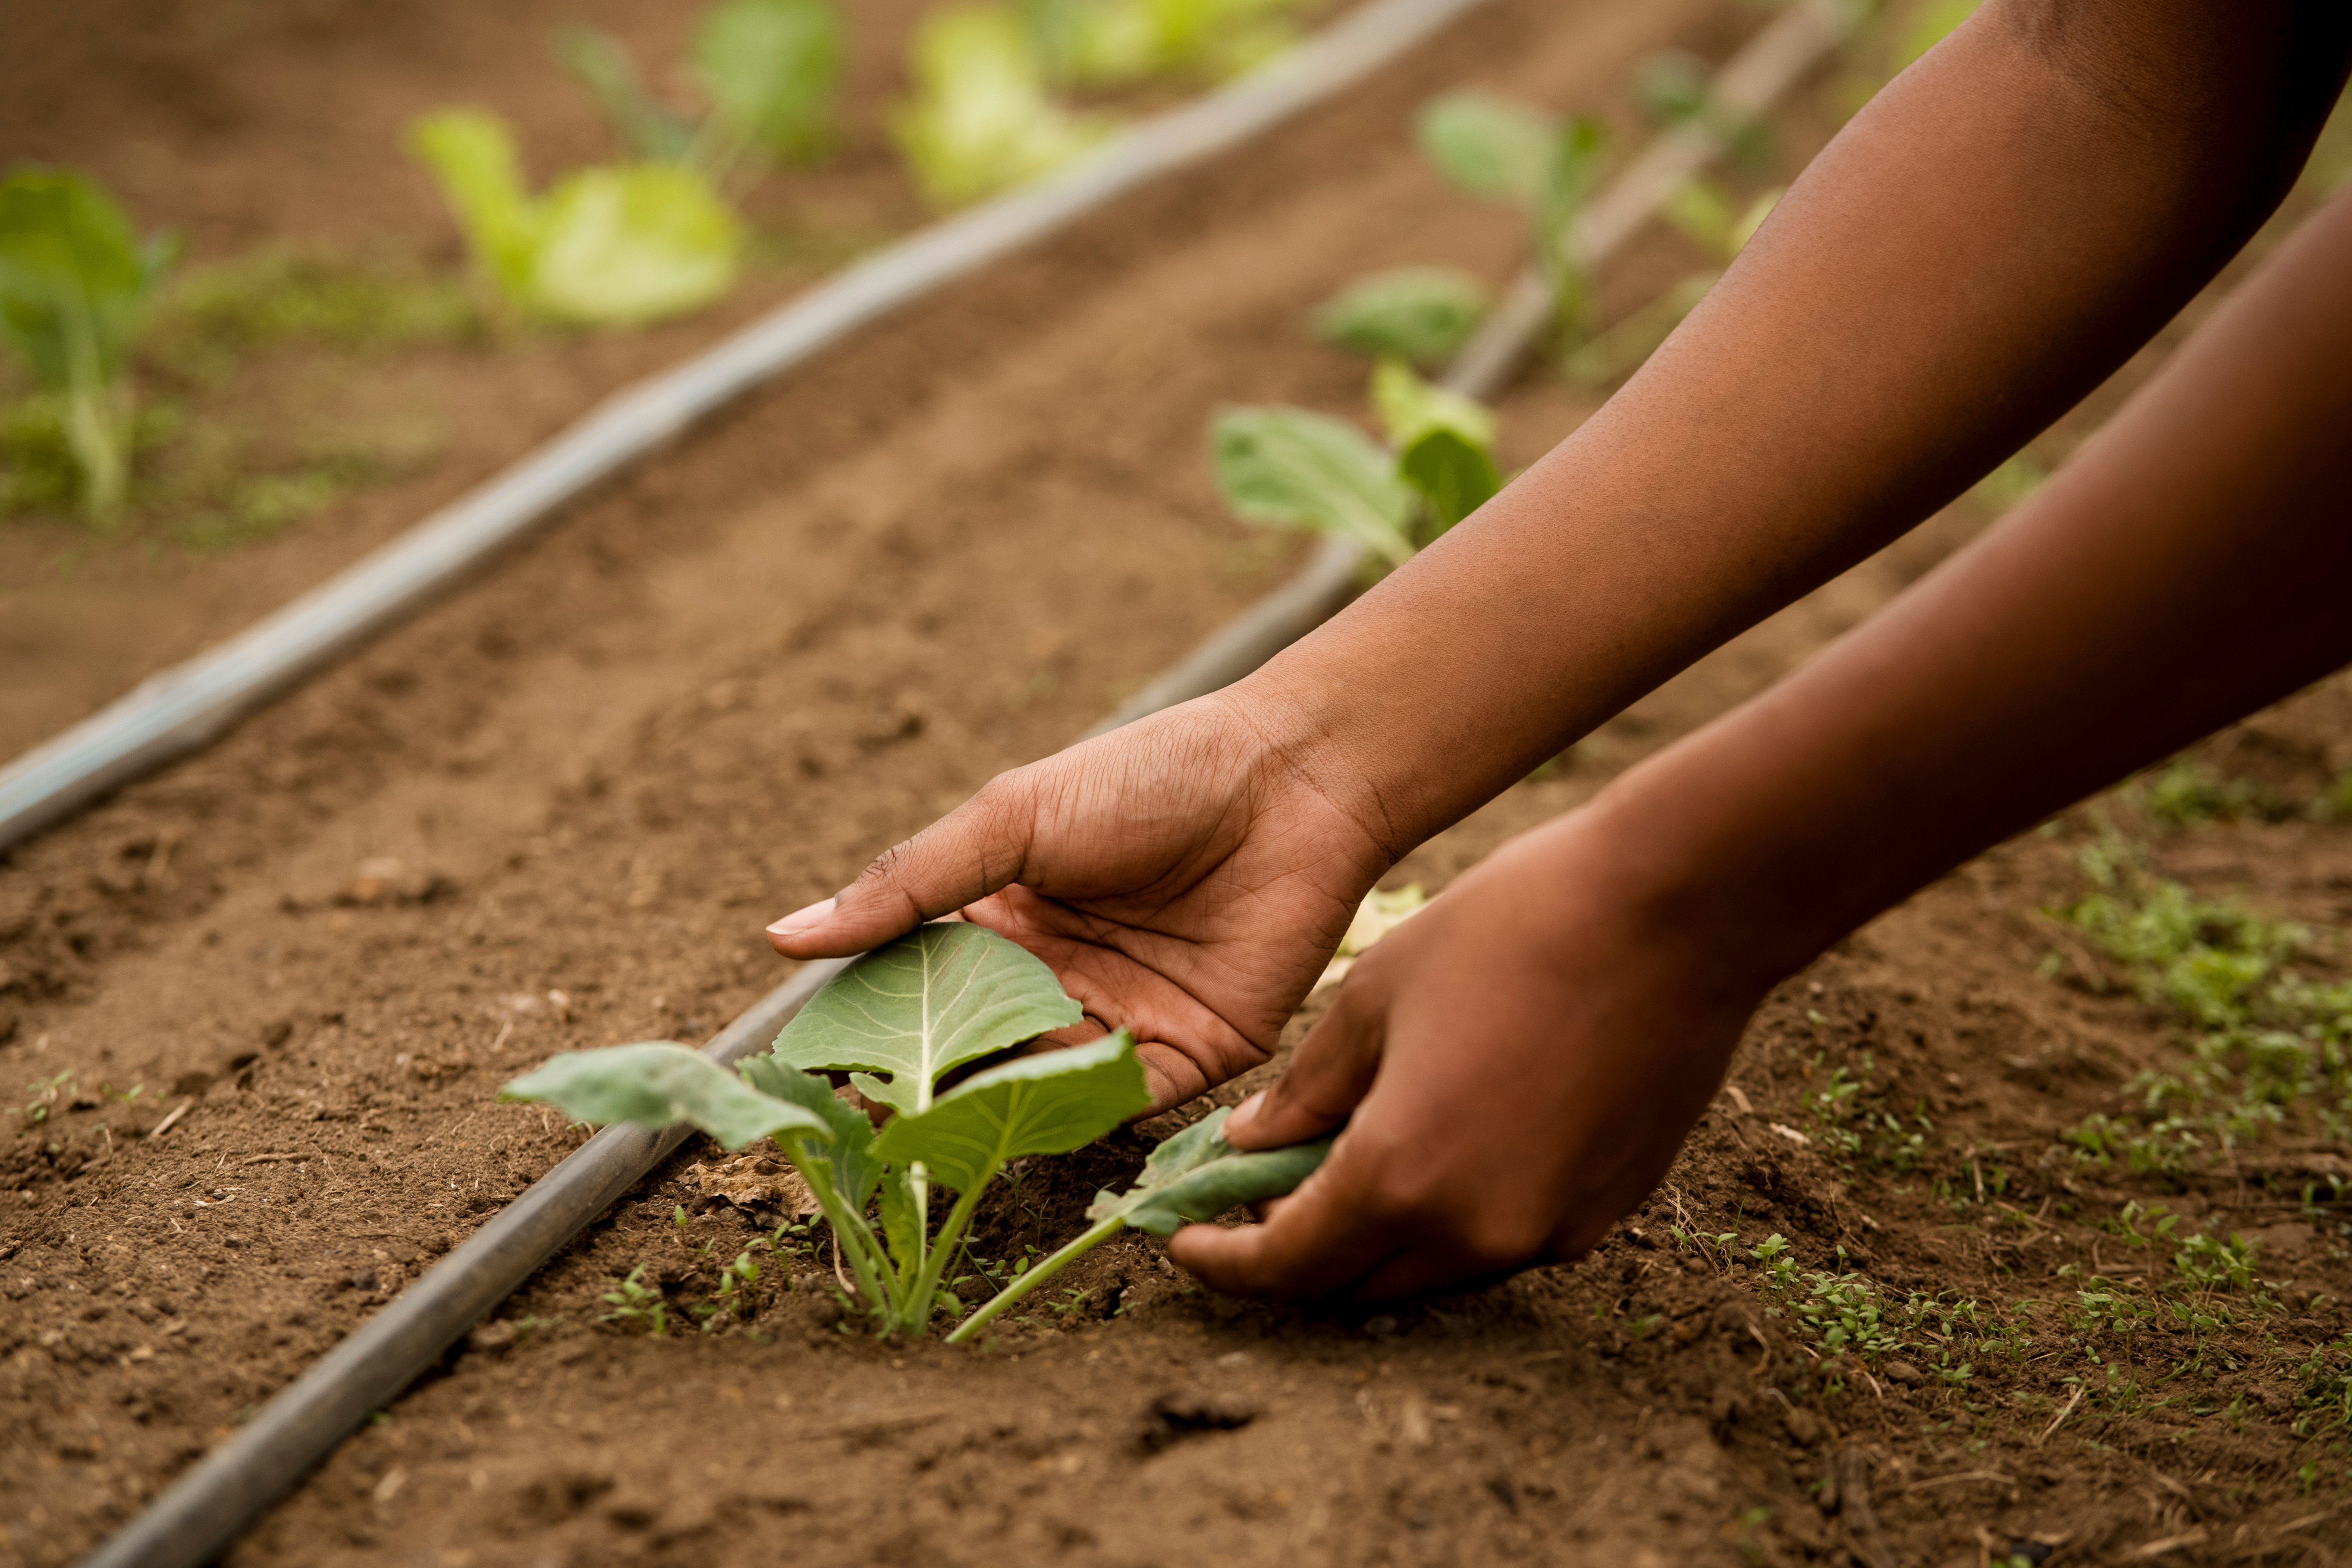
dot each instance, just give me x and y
(2191, 565)
(1986, 241)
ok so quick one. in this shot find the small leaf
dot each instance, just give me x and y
(1423, 314)
(771, 67)
(1048, 1103)
(632, 243)
(658, 1083)
(1410, 408)
(1196, 1175)
(941, 995)
(847, 1144)
(1489, 146)
(1295, 468)
(472, 155)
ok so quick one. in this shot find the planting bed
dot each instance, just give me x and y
(554, 811)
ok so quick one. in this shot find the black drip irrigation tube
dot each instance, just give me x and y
(202, 1513)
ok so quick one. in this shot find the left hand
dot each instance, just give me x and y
(1516, 1065)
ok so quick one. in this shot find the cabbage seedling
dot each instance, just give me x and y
(74, 283)
(620, 243)
(899, 1020)
(1108, 43)
(769, 70)
(1292, 467)
(980, 119)
(1498, 149)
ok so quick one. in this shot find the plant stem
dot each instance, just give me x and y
(996, 1305)
(849, 1230)
(927, 1280)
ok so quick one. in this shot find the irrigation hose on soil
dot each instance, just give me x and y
(179, 710)
(202, 1513)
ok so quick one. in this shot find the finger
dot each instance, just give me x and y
(1324, 1238)
(1332, 1070)
(965, 856)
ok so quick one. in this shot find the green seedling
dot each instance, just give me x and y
(1111, 43)
(75, 283)
(897, 1021)
(612, 245)
(1292, 467)
(768, 71)
(636, 1304)
(980, 119)
(1499, 150)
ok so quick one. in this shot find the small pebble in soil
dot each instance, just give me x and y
(1904, 1372)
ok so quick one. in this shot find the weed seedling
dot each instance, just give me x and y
(635, 1304)
(896, 1021)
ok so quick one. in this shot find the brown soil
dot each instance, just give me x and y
(554, 811)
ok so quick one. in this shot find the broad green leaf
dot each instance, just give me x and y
(1454, 477)
(1489, 146)
(941, 995)
(1292, 468)
(847, 1142)
(1423, 314)
(1196, 1175)
(1410, 408)
(632, 243)
(658, 1083)
(770, 67)
(472, 154)
(980, 119)
(603, 64)
(1048, 1103)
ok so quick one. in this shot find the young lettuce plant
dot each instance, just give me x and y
(899, 1020)
(769, 70)
(610, 245)
(981, 119)
(75, 282)
(1109, 43)
(1420, 314)
(1497, 149)
(1294, 467)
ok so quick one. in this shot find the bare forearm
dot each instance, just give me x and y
(1963, 263)
(2188, 567)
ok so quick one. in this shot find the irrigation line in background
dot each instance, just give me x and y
(202, 1513)
(179, 710)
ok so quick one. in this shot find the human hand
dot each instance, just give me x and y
(1187, 877)
(1516, 1065)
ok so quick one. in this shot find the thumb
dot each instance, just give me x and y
(965, 856)
(1332, 1070)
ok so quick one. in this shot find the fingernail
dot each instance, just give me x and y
(799, 921)
(1245, 1113)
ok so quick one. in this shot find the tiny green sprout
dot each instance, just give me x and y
(636, 1304)
(897, 1020)
(1074, 1298)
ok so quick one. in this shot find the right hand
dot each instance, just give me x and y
(1187, 877)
